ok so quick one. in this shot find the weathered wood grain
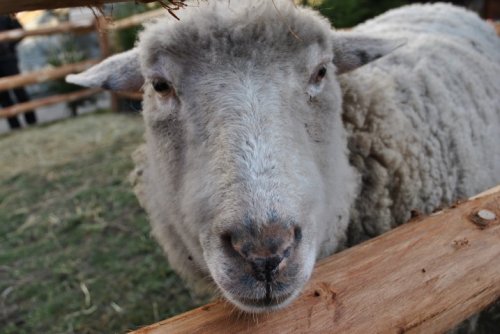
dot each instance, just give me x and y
(137, 19)
(14, 6)
(423, 277)
(43, 75)
(46, 101)
(62, 27)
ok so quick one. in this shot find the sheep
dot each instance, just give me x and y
(273, 140)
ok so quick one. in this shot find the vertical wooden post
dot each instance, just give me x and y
(103, 34)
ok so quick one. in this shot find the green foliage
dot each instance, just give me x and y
(348, 13)
(124, 39)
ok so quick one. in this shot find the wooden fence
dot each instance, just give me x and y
(423, 277)
(13, 6)
(101, 26)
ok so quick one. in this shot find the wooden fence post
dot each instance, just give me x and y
(103, 34)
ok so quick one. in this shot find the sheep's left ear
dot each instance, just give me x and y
(354, 50)
(118, 72)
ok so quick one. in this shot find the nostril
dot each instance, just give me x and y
(227, 244)
(235, 244)
(297, 231)
(265, 269)
(272, 263)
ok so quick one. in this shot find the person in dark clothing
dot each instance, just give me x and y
(8, 67)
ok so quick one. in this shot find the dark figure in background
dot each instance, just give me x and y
(8, 67)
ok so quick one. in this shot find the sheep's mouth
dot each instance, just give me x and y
(268, 303)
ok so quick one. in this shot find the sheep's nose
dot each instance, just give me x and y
(267, 268)
(265, 249)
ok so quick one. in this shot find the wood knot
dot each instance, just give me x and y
(460, 243)
(326, 291)
(483, 218)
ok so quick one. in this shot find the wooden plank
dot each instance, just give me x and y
(13, 6)
(43, 75)
(62, 27)
(46, 101)
(70, 27)
(423, 277)
(137, 19)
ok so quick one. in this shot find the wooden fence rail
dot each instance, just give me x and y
(63, 27)
(46, 101)
(79, 28)
(43, 75)
(14, 6)
(423, 277)
(136, 20)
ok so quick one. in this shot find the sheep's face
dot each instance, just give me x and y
(248, 180)
(255, 178)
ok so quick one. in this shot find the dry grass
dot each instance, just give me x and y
(47, 146)
(76, 255)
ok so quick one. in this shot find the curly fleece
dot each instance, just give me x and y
(423, 122)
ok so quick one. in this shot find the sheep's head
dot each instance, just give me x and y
(248, 169)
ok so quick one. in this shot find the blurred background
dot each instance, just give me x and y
(348, 13)
(76, 255)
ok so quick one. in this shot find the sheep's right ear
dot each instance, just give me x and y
(119, 72)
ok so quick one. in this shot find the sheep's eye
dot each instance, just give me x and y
(162, 86)
(320, 74)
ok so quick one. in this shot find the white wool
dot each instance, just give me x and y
(423, 122)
